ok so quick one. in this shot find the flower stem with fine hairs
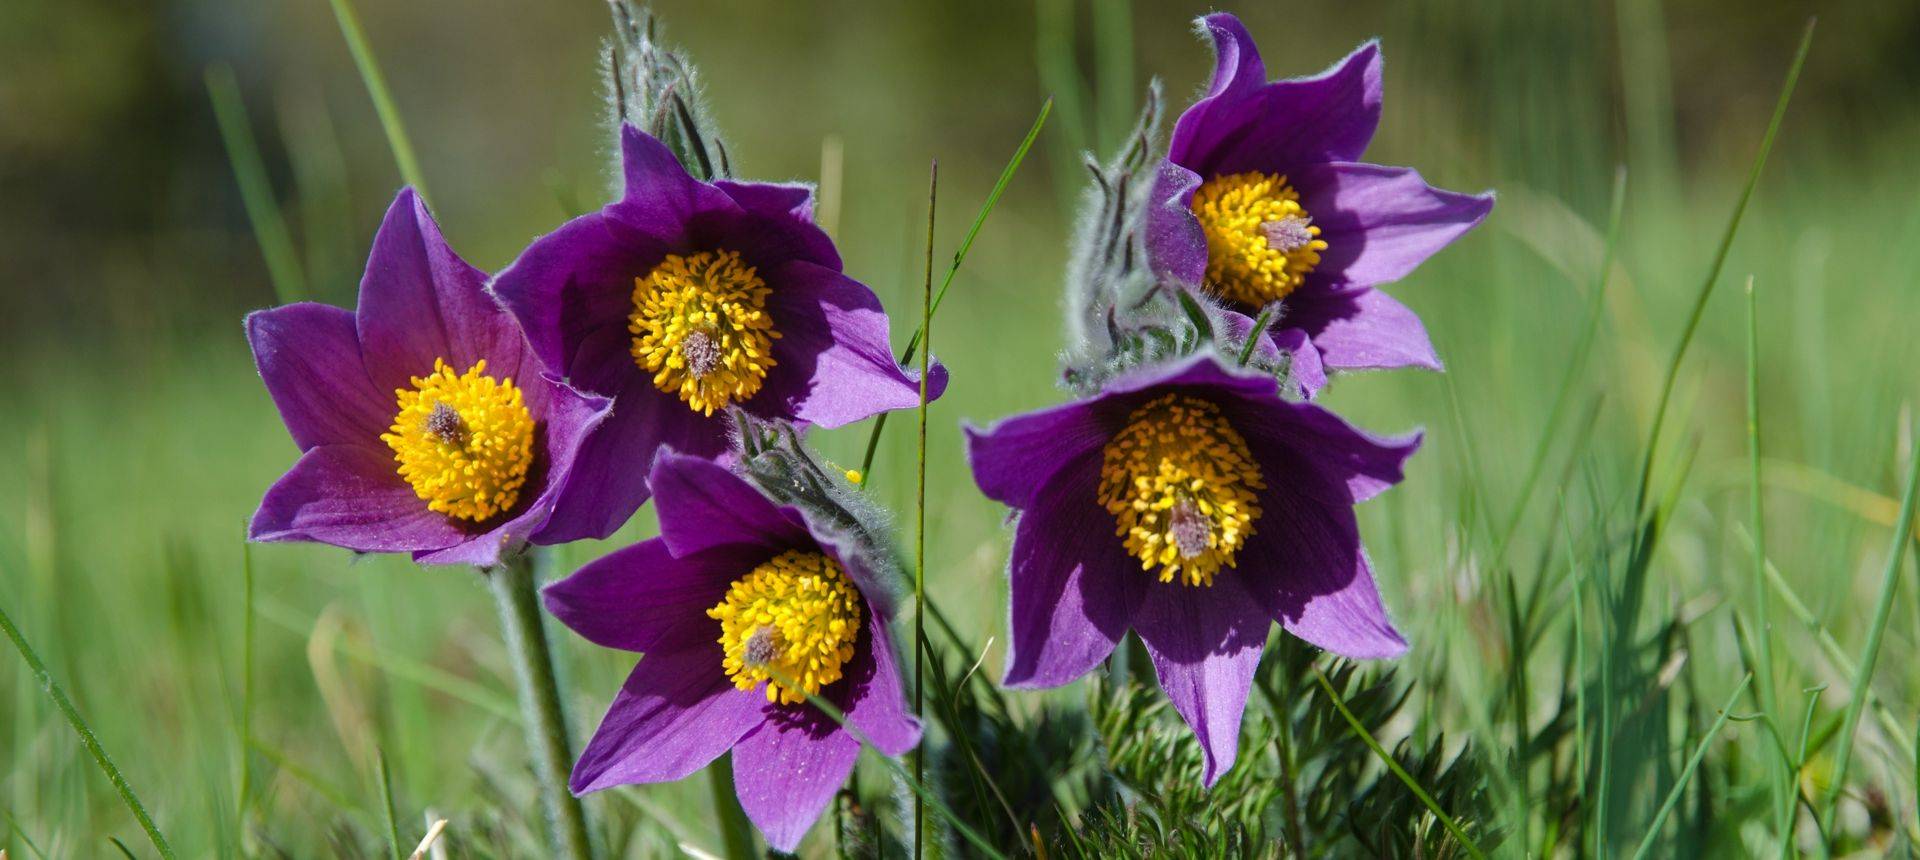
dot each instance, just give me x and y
(514, 592)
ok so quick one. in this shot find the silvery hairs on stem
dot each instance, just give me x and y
(774, 458)
(659, 93)
(1106, 265)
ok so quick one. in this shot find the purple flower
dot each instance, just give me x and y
(1193, 505)
(735, 599)
(684, 297)
(1262, 199)
(424, 421)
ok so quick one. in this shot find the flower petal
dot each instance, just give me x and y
(420, 302)
(778, 226)
(1245, 124)
(873, 701)
(642, 598)
(676, 713)
(787, 772)
(1314, 443)
(1073, 586)
(1017, 456)
(1361, 328)
(661, 199)
(834, 363)
(1176, 244)
(1205, 642)
(703, 505)
(608, 481)
(350, 496)
(1307, 568)
(309, 358)
(1304, 369)
(571, 285)
(1380, 223)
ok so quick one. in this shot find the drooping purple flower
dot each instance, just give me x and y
(684, 297)
(737, 598)
(1193, 505)
(425, 423)
(1263, 198)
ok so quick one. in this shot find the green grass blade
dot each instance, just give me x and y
(87, 738)
(920, 517)
(1782, 790)
(256, 192)
(1686, 774)
(124, 850)
(1713, 271)
(966, 244)
(386, 803)
(1870, 651)
(1595, 306)
(1412, 784)
(246, 683)
(736, 835)
(376, 84)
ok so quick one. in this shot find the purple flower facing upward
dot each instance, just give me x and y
(424, 422)
(685, 297)
(1193, 505)
(736, 600)
(1262, 199)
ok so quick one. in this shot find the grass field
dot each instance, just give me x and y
(134, 455)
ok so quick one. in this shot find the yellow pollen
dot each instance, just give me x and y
(700, 326)
(1180, 483)
(1261, 243)
(794, 618)
(464, 442)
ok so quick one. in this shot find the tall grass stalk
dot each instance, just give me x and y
(1780, 788)
(386, 803)
(959, 256)
(1870, 650)
(383, 104)
(920, 514)
(515, 594)
(736, 834)
(256, 192)
(1393, 765)
(87, 738)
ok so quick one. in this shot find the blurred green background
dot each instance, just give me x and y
(135, 438)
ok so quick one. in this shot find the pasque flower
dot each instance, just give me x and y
(1190, 503)
(425, 423)
(743, 608)
(1262, 199)
(685, 297)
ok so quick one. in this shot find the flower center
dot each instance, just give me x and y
(1261, 243)
(700, 326)
(1180, 482)
(464, 442)
(792, 620)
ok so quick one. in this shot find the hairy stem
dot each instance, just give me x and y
(540, 708)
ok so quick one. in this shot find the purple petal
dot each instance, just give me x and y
(677, 712)
(791, 198)
(420, 302)
(661, 198)
(875, 704)
(834, 363)
(1320, 448)
(309, 358)
(353, 497)
(1380, 223)
(571, 285)
(1176, 244)
(642, 598)
(787, 772)
(1073, 586)
(608, 480)
(1308, 372)
(1244, 124)
(778, 226)
(1205, 642)
(1361, 328)
(1017, 456)
(1305, 565)
(703, 505)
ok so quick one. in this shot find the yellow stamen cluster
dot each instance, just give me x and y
(463, 441)
(794, 618)
(700, 326)
(1180, 482)
(1261, 243)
